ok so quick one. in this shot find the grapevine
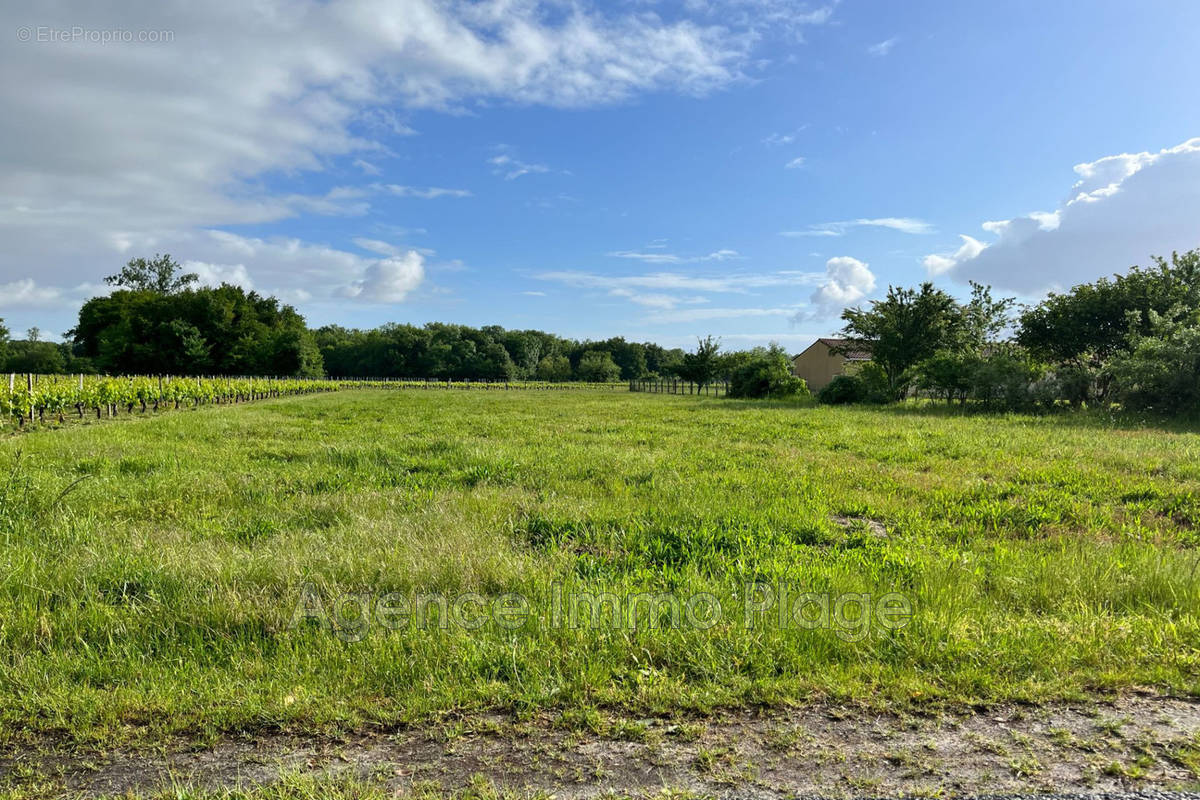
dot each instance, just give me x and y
(26, 399)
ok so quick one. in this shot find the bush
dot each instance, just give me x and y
(842, 390)
(597, 366)
(553, 368)
(1161, 372)
(948, 375)
(868, 385)
(1004, 379)
(766, 373)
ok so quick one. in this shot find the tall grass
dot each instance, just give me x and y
(149, 570)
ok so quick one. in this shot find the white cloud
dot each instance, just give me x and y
(377, 246)
(677, 281)
(389, 280)
(366, 166)
(340, 201)
(765, 16)
(428, 193)
(512, 168)
(848, 280)
(723, 254)
(705, 314)
(901, 224)
(676, 296)
(649, 258)
(881, 49)
(653, 300)
(217, 274)
(26, 293)
(939, 263)
(795, 163)
(1122, 209)
(109, 149)
(291, 268)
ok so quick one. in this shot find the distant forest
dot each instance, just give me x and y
(160, 321)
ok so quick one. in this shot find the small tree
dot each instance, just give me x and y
(160, 274)
(597, 366)
(3, 344)
(904, 329)
(702, 366)
(554, 368)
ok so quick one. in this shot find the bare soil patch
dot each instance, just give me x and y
(826, 749)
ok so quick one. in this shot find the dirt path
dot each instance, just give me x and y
(1135, 743)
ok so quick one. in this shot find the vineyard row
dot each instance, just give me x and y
(26, 398)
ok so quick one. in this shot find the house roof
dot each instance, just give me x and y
(858, 354)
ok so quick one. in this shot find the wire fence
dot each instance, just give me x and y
(713, 389)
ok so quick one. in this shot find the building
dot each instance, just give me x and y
(820, 364)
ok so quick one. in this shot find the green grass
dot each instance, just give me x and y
(149, 568)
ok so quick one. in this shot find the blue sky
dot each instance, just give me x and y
(654, 170)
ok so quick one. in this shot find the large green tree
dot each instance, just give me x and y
(224, 330)
(1092, 322)
(904, 329)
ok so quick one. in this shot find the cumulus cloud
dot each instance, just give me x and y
(389, 280)
(901, 224)
(217, 274)
(1121, 209)
(847, 281)
(108, 150)
(939, 263)
(795, 163)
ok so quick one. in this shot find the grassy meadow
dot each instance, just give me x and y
(150, 568)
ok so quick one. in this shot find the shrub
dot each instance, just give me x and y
(766, 373)
(1161, 371)
(842, 390)
(553, 368)
(1005, 378)
(948, 375)
(869, 384)
(597, 366)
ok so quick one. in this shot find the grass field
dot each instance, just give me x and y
(150, 568)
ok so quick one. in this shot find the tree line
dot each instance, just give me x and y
(1131, 340)
(159, 320)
